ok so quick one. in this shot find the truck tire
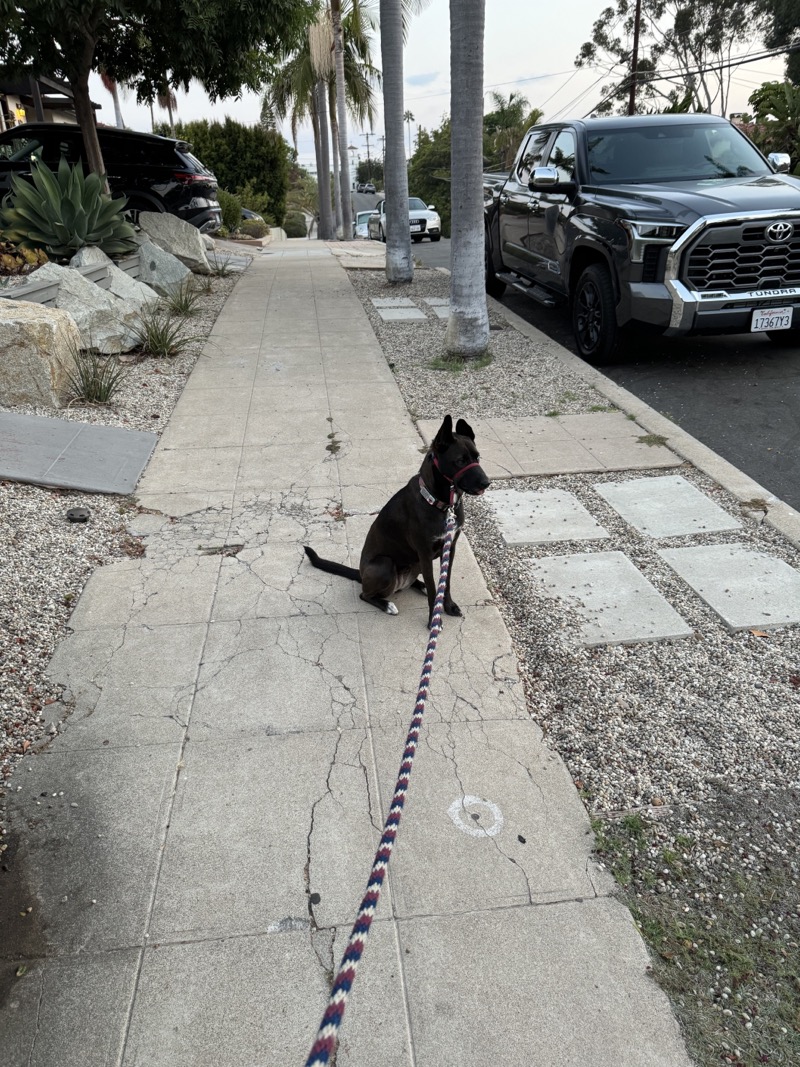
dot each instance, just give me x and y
(494, 287)
(594, 322)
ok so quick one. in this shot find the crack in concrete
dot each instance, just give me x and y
(38, 1024)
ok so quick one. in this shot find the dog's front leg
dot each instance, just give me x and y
(426, 566)
(450, 606)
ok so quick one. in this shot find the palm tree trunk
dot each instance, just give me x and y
(324, 170)
(399, 264)
(467, 334)
(117, 109)
(341, 107)
(337, 192)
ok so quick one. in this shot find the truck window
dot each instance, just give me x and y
(531, 155)
(562, 156)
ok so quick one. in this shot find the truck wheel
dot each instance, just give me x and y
(494, 287)
(594, 322)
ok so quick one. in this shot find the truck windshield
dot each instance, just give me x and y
(671, 154)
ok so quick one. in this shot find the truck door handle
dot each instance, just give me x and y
(504, 198)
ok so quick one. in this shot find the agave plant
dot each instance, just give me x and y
(63, 212)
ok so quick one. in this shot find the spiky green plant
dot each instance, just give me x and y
(184, 300)
(63, 212)
(96, 378)
(161, 335)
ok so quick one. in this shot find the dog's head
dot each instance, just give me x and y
(456, 456)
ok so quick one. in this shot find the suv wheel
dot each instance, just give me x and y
(381, 234)
(594, 322)
(133, 207)
(494, 287)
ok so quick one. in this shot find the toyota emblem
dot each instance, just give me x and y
(779, 232)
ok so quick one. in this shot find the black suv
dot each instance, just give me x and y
(155, 173)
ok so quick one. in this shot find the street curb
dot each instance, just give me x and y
(780, 515)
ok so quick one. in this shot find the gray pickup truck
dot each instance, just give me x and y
(673, 223)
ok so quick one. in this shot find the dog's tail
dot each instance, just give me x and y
(331, 567)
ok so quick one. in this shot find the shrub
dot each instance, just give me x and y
(295, 224)
(63, 212)
(254, 228)
(256, 201)
(231, 210)
(159, 334)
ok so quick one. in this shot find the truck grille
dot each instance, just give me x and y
(740, 257)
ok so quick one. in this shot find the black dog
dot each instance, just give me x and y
(408, 534)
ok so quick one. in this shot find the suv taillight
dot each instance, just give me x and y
(186, 177)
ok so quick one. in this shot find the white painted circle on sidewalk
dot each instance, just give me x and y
(469, 822)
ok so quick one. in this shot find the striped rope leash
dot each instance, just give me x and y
(327, 1036)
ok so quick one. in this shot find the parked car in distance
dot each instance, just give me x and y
(361, 225)
(361, 187)
(369, 187)
(248, 214)
(423, 220)
(154, 173)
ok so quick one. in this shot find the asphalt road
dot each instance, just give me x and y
(739, 395)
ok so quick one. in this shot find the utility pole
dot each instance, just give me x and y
(634, 58)
(367, 136)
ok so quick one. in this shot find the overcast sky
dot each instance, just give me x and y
(529, 48)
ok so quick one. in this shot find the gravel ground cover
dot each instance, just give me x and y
(45, 560)
(687, 752)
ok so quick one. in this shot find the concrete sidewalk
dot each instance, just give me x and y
(197, 839)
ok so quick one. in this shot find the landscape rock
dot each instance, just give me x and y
(162, 271)
(37, 353)
(106, 322)
(178, 237)
(208, 242)
(121, 284)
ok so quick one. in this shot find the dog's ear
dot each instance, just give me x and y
(465, 429)
(444, 435)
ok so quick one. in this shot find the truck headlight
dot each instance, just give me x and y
(644, 233)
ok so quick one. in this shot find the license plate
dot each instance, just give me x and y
(416, 226)
(771, 319)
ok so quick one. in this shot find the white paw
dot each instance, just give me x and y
(391, 609)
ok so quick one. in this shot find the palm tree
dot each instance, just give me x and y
(467, 334)
(408, 118)
(111, 86)
(506, 125)
(168, 101)
(319, 39)
(290, 92)
(399, 264)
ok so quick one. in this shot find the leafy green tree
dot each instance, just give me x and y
(682, 47)
(429, 171)
(240, 155)
(151, 45)
(504, 126)
(781, 20)
(776, 119)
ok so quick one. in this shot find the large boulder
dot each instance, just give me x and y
(37, 353)
(121, 284)
(177, 237)
(106, 322)
(162, 271)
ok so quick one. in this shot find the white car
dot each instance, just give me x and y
(423, 219)
(360, 230)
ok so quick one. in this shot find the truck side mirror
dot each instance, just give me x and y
(548, 178)
(781, 161)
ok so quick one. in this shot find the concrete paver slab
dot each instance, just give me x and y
(401, 314)
(259, 1000)
(475, 679)
(245, 851)
(542, 516)
(743, 587)
(69, 1011)
(615, 601)
(392, 302)
(312, 661)
(145, 593)
(559, 998)
(72, 455)
(492, 820)
(91, 848)
(668, 506)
